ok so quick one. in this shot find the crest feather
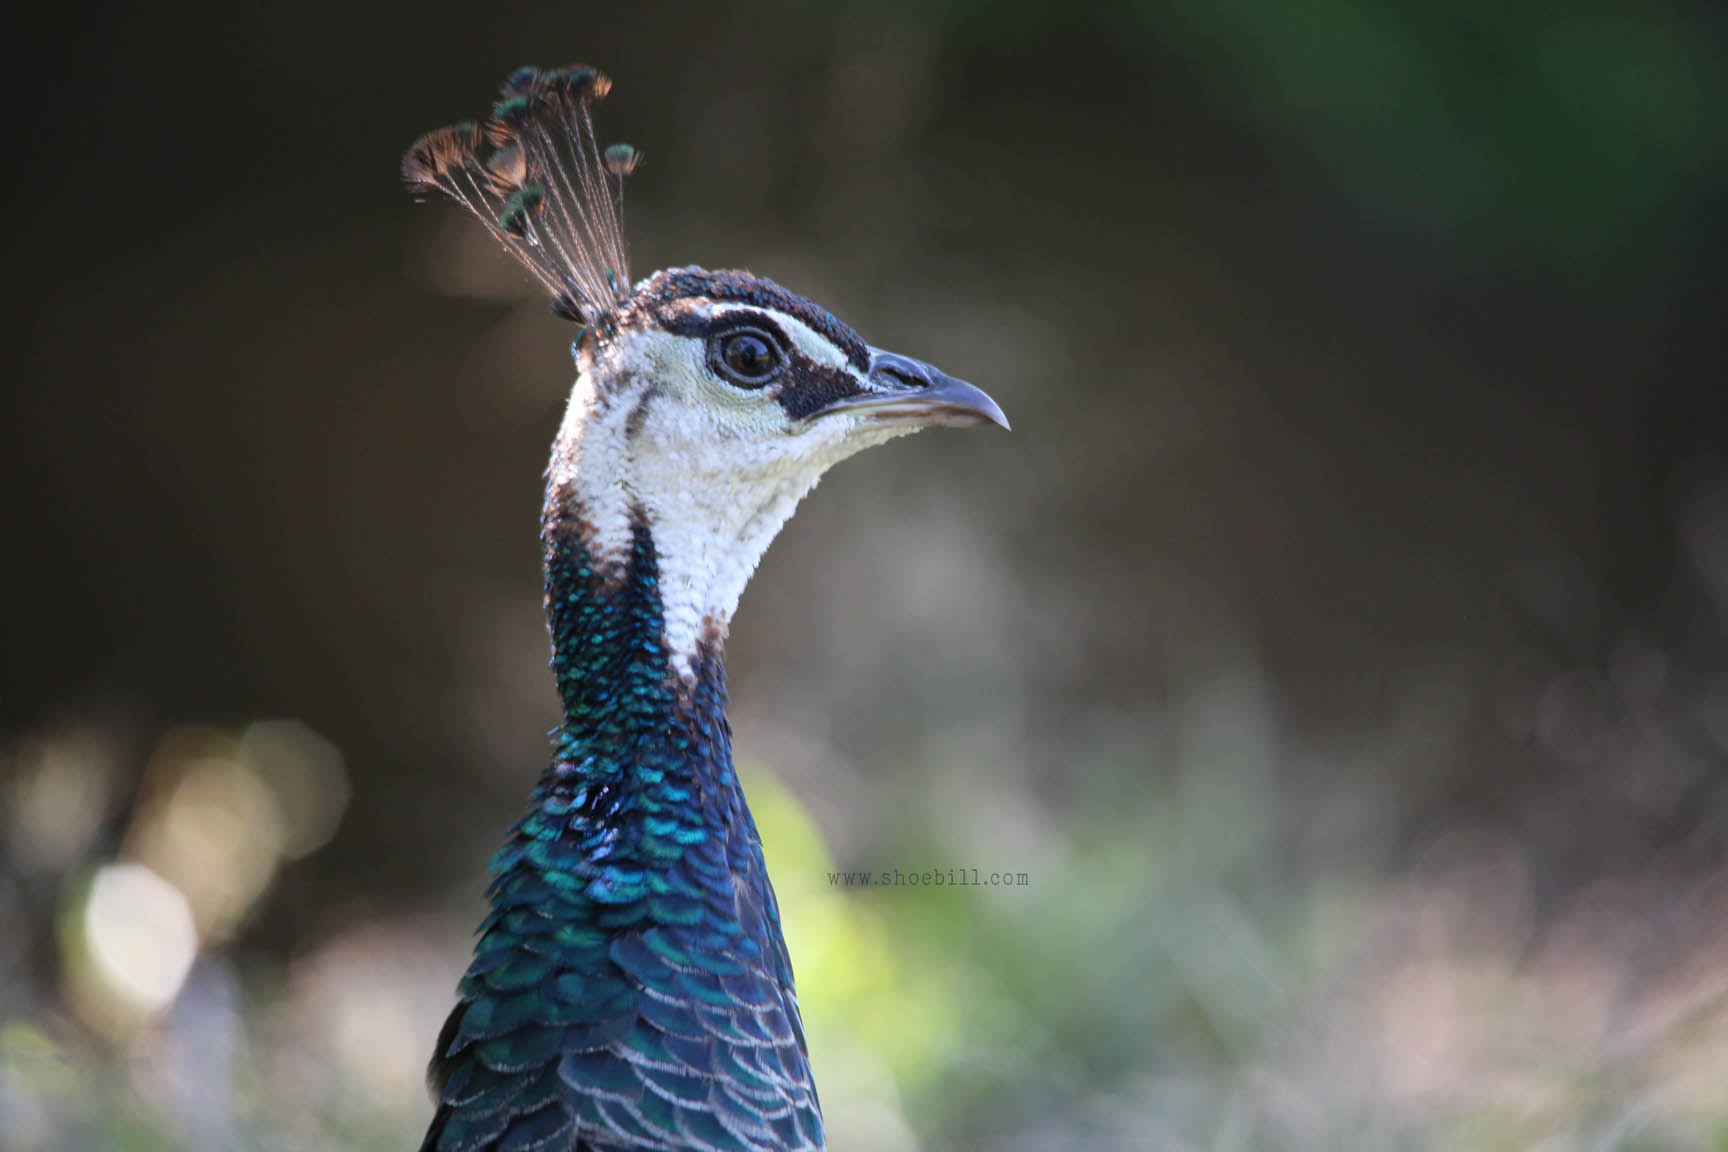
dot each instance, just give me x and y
(535, 175)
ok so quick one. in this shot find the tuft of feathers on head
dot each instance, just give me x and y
(622, 159)
(535, 175)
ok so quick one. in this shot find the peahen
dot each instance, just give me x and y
(630, 988)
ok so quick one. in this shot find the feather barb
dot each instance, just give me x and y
(535, 175)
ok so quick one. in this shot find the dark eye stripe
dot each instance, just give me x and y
(739, 318)
(806, 386)
(811, 387)
(689, 322)
(663, 292)
(803, 389)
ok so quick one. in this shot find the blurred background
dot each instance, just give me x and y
(1338, 644)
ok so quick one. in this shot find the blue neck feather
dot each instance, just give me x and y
(630, 988)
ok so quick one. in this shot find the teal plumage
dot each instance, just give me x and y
(631, 988)
(633, 948)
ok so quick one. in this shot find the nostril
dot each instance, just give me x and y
(895, 373)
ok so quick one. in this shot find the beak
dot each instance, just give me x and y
(912, 392)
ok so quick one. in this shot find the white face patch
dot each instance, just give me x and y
(717, 469)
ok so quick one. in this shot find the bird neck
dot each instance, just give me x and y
(633, 949)
(609, 656)
(628, 460)
(643, 748)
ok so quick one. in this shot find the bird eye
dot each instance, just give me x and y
(747, 357)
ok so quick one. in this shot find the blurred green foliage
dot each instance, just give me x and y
(1568, 141)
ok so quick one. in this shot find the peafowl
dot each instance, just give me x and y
(630, 987)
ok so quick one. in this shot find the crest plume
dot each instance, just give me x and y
(534, 173)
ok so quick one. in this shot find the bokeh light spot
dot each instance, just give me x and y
(139, 932)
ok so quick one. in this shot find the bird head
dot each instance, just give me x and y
(735, 382)
(707, 403)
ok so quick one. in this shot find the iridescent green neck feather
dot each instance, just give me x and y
(630, 988)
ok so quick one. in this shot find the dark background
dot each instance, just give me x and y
(1337, 642)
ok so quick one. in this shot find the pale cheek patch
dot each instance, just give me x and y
(716, 480)
(714, 507)
(591, 447)
(594, 462)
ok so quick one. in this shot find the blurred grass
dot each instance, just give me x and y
(1169, 979)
